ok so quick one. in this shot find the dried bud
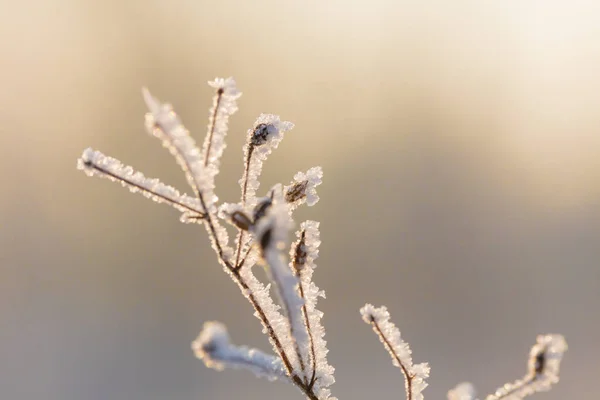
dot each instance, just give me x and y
(300, 253)
(241, 220)
(296, 192)
(260, 210)
(261, 133)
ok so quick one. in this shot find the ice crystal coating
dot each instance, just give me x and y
(389, 335)
(543, 369)
(462, 391)
(213, 346)
(263, 138)
(94, 163)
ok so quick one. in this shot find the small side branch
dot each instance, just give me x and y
(414, 375)
(543, 370)
(94, 163)
(299, 256)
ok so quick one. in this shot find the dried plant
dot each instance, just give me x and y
(262, 224)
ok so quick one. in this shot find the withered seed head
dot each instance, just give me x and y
(260, 134)
(296, 192)
(241, 220)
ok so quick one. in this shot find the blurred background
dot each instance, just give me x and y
(461, 154)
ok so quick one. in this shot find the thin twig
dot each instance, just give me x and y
(212, 125)
(89, 164)
(238, 250)
(407, 376)
(310, 335)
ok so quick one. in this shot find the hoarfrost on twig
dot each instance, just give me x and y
(414, 374)
(213, 346)
(94, 163)
(543, 369)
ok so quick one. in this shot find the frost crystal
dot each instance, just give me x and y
(293, 324)
(414, 375)
(462, 391)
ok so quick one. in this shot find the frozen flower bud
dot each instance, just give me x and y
(296, 192)
(300, 253)
(241, 220)
(261, 133)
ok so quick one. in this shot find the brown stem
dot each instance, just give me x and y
(310, 335)
(238, 250)
(407, 376)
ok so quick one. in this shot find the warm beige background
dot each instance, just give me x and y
(462, 158)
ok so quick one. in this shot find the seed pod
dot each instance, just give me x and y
(241, 220)
(296, 192)
(260, 134)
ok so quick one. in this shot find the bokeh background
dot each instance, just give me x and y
(461, 154)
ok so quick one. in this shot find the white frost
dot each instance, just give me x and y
(462, 391)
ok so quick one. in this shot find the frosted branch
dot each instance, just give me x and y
(224, 105)
(414, 374)
(163, 123)
(94, 163)
(303, 254)
(543, 370)
(213, 346)
(271, 234)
